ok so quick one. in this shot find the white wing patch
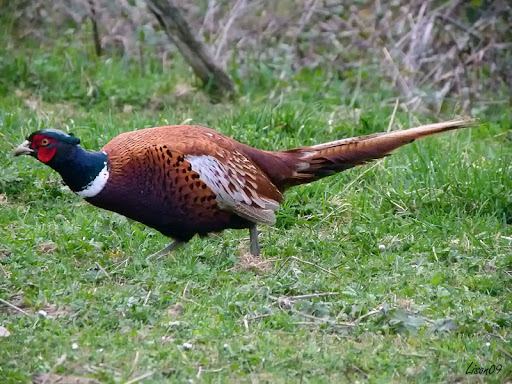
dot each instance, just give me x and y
(235, 186)
(95, 186)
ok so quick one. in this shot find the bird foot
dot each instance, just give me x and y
(255, 246)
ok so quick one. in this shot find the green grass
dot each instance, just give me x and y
(423, 236)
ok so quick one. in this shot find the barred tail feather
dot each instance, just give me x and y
(308, 164)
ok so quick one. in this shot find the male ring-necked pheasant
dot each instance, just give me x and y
(186, 180)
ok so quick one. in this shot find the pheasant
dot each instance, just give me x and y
(186, 180)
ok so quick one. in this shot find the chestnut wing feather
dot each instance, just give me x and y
(234, 183)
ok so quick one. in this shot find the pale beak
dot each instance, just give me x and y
(23, 149)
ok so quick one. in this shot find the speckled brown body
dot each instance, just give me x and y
(152, 182)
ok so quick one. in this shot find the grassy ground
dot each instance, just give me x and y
(415, 250)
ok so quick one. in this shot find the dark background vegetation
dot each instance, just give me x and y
(437, 55)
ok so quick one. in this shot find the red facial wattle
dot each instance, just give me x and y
(44, 152)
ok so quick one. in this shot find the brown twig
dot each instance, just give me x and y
(505, 353)
(460, 25)
(192, 47)
(371, 313)
(103, 270)
(287, 302)
(254, 318)
(15, 307)
(95, 32)
(322, 320)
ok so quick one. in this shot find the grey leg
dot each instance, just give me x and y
(171, 247)
(255, 247)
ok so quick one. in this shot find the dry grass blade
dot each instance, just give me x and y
(323, 320)
(238, 8)
(139, 378)
(310, 295)
(286, 302)
(314, 265)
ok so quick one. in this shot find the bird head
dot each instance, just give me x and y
(47, 145)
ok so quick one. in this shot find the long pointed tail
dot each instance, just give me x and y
(307, 164)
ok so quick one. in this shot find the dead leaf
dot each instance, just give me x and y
(175, 310)
(33, 104)
(53, 311)
(405, 304)
(47, 248)
(183, 90)
(4, 332)
(4, 253)
(3, 199)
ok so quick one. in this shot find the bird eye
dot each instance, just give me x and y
(44, 142)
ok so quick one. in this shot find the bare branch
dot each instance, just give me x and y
(191, 47)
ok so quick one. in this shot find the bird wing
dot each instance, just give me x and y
(234, 179)
(239, 184)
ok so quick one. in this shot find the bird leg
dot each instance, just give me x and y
(171, 247)
(255, 247)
